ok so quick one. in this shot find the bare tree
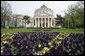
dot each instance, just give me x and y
(6, 13)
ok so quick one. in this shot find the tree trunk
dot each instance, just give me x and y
(4, 24)
(8, 24)
(25, 24)
(72, 25)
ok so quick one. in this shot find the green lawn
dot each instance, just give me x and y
(80, 30)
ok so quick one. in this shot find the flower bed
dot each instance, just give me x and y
(42, 43)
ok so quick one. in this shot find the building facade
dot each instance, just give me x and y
(20, 21)
(43, 17)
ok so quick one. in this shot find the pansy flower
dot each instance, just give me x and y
(51, 46)
(49, 43)
(39, 45)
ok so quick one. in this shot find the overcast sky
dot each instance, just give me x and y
(28, 7)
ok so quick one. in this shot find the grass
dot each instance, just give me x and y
(78, 30)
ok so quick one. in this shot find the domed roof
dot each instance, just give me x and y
(43, 7)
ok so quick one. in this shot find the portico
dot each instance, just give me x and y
(44, 17)
(44, 22)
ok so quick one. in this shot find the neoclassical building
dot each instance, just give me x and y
(43, 17)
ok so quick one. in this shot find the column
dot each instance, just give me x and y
(41, 22)
(45, 22)
(38, 21)
(35, 22)
(54, 22)
(51, 22)
(48, 22)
